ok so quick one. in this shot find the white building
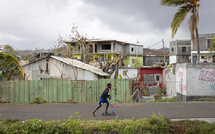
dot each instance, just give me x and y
(57, 67)
(205, 42)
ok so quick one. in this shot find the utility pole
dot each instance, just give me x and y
(163, 52)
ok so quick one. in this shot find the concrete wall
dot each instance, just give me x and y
(177, 47)
(170, 81)
(131, 74)
(176, 52)
(137, 50)
(150, 60)
(183, 59)
(138, 61)
(119, 48)
(172, 59)
(198, 80)
(203, 41)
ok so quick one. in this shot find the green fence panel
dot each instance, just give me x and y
(63, 90)
(31, 90)
(88, 91)
(21, 91)
(69, 91)
(45, 89)
(52, 90)
(40, 88)
(93, 91)
(3, 87)
(84, 91)
(74, 91)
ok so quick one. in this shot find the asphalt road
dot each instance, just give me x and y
(123, 111)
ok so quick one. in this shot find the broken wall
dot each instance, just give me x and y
(170, 81)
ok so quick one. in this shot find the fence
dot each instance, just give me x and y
(64, 90)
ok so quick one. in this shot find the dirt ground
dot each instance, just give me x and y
(123, 111)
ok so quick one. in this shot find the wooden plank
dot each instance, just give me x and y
(26, 91)
(17, 96)
(31, 90)
(83, 86)
(64, 90)
(22, 91)
(58, 90)
(40, 89)
(88, 91)
(46, 89)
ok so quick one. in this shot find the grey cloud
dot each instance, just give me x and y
(127, 16)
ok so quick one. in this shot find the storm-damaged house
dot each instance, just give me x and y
(58, 67)
(105, 49)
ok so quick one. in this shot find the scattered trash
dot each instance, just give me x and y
(153, 90)
(136, 96)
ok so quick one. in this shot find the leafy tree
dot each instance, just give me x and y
(9, 49)
(186, 6)
(9, 65)
(212, 50)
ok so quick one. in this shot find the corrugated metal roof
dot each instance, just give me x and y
(82, 65)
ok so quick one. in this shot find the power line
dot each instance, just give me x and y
(155, 44)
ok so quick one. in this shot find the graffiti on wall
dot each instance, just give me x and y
(208, 76)
(181, 86)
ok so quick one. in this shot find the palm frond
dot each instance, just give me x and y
(174, 3)
(179, 18)
(10, 63)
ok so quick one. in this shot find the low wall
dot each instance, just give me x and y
(197, 81)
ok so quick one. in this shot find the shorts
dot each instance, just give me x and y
(102, 101)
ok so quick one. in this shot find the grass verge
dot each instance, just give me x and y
(155, 124)
(205, 99)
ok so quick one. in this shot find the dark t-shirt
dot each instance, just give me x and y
(105, 94)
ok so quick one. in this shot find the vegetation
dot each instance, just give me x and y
(38, 100)
(155, 124)
(212, 50)
(9, 65)
(186, 6)
(205, 99)
(166, 100)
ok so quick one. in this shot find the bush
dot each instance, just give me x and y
(155, 124)
(38, 100)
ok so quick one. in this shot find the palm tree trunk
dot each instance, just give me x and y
(198, 47)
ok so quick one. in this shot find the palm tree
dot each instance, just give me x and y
(186, 6)
(10, 65)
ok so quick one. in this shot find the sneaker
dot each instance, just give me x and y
(93, 114)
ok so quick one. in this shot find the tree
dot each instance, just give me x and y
(186, 6)
(62, 49)
(82, 43)
(212, 50)
(9, 49)
(9, 65)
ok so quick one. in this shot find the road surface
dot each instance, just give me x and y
(123, 111)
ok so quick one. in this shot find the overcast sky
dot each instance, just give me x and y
(30, 24)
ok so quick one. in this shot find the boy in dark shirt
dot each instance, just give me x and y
(103, 99)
